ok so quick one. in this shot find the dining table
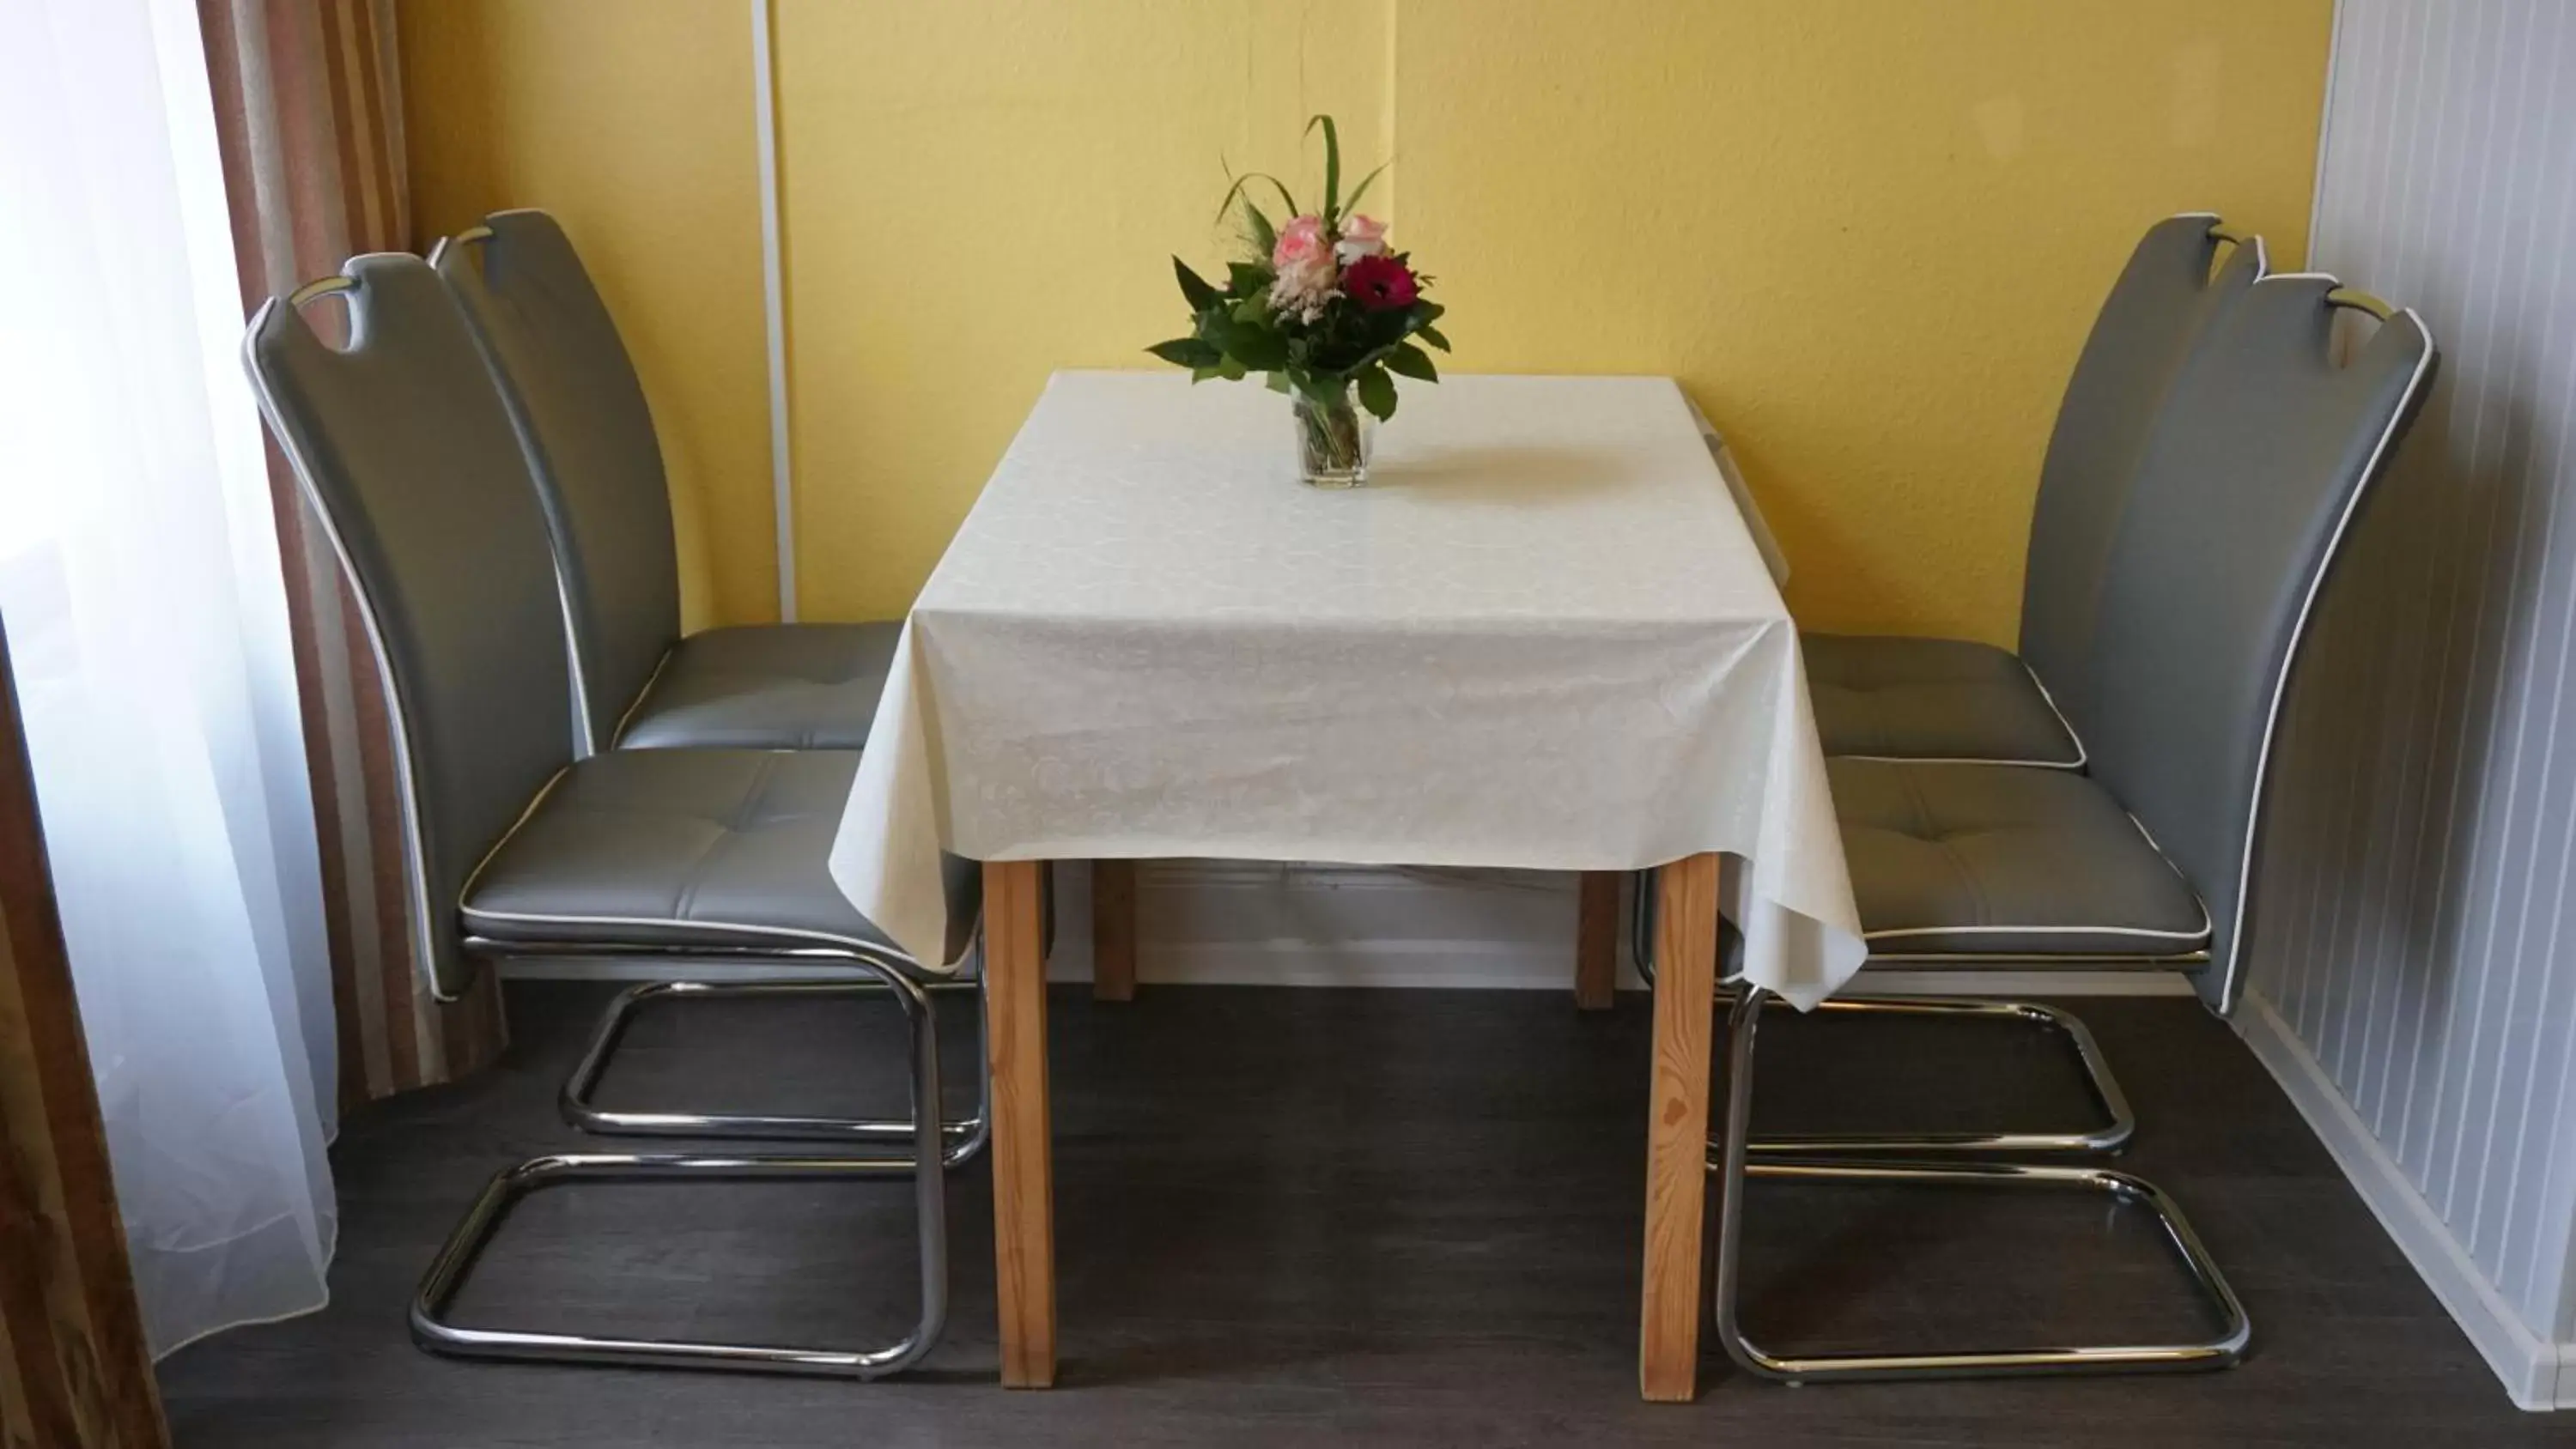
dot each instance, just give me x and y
(1542, 637)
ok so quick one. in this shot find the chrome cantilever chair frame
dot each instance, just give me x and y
(930, 1149)
(1734, 1165)
(577, 1099)
(2118, 1125)
(929, 1143)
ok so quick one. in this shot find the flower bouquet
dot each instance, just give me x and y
(1322, 307)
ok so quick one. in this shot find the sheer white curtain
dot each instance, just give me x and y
(140, 586)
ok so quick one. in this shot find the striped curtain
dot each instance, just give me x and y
(73, 1367)
(308, 112)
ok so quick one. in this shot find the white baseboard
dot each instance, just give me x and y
(2536, 1372)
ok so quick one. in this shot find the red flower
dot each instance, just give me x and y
(1381, 284)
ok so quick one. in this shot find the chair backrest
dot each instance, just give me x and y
(572, 391)
(2162, 307)
(2264, 452)
(404, 449)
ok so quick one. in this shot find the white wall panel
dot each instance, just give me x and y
(2416, 935)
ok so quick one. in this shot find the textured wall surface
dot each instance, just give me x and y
(2416, 917)
(633, 123)
(1868, 236)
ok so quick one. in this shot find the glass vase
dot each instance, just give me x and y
(1333, 440)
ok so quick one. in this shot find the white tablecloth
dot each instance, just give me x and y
(1540, 638)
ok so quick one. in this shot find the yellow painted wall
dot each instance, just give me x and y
(1867, 235)
(980, 193)
(631, 120)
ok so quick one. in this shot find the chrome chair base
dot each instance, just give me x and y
(924, 1156)
(431, 1330)
(2120, 1124)
(1734, 1165)
(963, 1140)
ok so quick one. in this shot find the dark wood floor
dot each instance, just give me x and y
(1355, 1217)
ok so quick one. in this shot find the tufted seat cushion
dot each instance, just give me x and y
(694, 848)
(1998, 861)
(766, 687)
(1889, 698)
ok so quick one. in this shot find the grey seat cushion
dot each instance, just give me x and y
(696, 848)
(1997, 861)
(1883, 697)
(766, 687)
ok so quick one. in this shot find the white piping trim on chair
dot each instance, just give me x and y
(2082, 757)
(2145, 933)
(2370, 472)
(474, 877)
(753, 935)
(415, 857)
(893, 955)
(2201, 935)
(654, 678)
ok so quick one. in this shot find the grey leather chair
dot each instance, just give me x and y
(2252, 474)
(1880, 697)
(592, 455)
(573, 394)
(514, 847)
(1953, 700)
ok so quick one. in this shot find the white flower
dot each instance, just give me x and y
(1362, 236)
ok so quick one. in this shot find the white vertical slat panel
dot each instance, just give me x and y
(2527, 445)
(2418, 928)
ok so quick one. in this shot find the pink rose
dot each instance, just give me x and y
(1362, 236)
(1307, 278)
(1301, 244)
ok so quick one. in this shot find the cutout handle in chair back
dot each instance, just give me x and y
(2265, 450)
(2165, 304)
(403, 447)
(579, 408)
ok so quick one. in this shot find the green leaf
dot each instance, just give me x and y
(1202, 374)
(1264, 235)
(1258, 348)
(1251, 309)
(1377, 392)
(1426, 311)
(1245, 180)
(1352, 203)
(1431, 334)
(1411, 361)
(1245, 279)
(1276, 381)
(1231, 369)
(1187, 352)
(1194, 288)
(1332, 167)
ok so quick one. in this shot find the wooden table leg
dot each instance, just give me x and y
(1677, 1128)
(1113, 930)
(1022, 1152)
(1596, 941)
